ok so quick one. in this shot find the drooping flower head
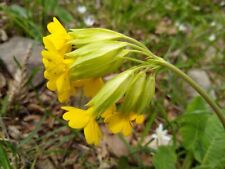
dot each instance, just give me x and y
(57, 66)
(78, 59)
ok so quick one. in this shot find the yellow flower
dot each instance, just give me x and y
(57, 72)
(58, 36)
(58, 67)
(121, 122)
(84, 119)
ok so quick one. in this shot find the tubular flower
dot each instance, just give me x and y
(57, 72)
(84, 119)
(58, 36)
(57, 67)
(121, 122)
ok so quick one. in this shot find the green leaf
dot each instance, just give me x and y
(203, 135)
(193, 124)
(165, 158)
(197, 105)
(4, 161)
(192, 130)
(214, 144)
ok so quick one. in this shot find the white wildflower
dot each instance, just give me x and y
(160, 137)
(213, 24)
(212, 37)
(81, 9)
(222, 3)
(181, 27)
(89, 20)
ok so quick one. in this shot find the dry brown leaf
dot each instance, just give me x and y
(114, 144)
(166, 27)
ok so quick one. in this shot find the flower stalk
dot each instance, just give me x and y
(197, 87)
(153, 59)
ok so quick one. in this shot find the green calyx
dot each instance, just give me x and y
(112, 91)
(92, 35)
(147, 94)
(133, 92)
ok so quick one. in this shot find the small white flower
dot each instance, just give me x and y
(89, 20)
(212, 37)
(160, 137)
(181, 27)
(81, 9)
(222, 3)
(213, 23)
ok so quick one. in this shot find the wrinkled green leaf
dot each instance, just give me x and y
(213, 144)
(193, 124)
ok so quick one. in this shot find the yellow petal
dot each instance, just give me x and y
(92, 86)
(63, 97)
(48, 43)
(79, 83)
(70, 108)
(58, 40)
(63, 83)
(55, 26)
(108, 113)
(92, 132)
(53, 56)
(120, 123)
(51, 85)
(45, 62)
(77, 118)
(127, 128)
(69, 61)
(115, 123)
(140, 119)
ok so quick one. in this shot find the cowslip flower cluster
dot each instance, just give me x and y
(57, 67)
(79, 59)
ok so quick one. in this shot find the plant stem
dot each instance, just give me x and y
(198, 88)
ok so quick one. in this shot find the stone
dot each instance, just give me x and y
(17, 47)
(202, 78)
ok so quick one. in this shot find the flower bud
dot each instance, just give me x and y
(91, 35)
(133, 93)
(97, 59)
(147, 94)
(98, 66)
(96, 49)
(112, 91)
